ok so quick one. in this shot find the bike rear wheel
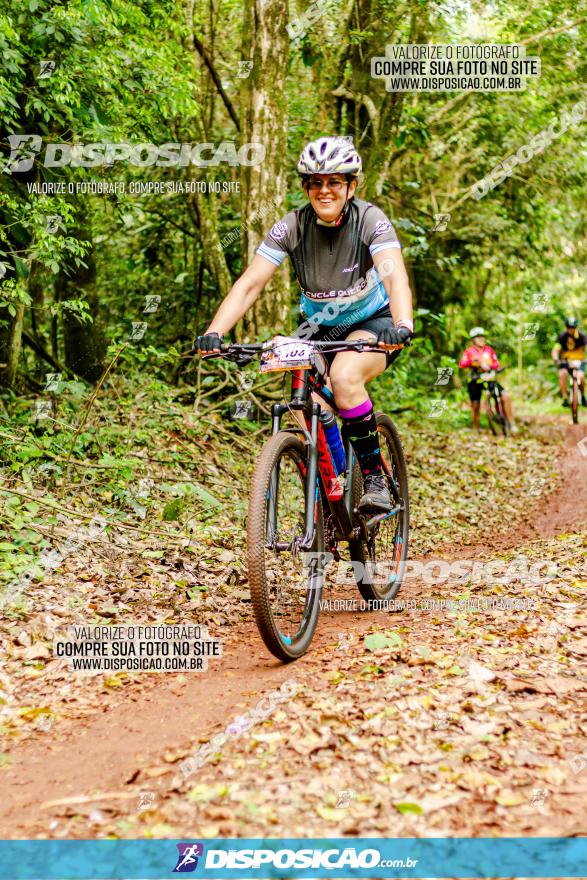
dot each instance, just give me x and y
(286, 584)
(381, 559)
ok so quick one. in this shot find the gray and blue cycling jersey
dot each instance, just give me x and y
(334, 265)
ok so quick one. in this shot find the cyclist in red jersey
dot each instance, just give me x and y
(480, 357)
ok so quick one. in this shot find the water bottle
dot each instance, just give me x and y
(334, 441)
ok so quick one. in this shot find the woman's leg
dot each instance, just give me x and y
(351, 370)
(349, 374)
(476, 410)
(562, 382)
(581, 378)
(475, 392)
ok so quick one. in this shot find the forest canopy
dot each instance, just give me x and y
(88, 235)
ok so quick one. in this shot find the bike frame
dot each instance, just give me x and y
(573, 373)
(320, 472)
(493, 390)
(319, 461)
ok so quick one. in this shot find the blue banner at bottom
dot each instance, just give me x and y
(502, 857)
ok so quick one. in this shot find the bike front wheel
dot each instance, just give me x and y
(382, 557)
(496, 415)
(503, 419)
(575, 400)
(491, 417)
(286, 583)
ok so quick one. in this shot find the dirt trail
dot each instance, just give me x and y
(103, 751)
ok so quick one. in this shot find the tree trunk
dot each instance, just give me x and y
(10, 345)
(204, 215)
(83, 343)
(265, 121)
(202, 208)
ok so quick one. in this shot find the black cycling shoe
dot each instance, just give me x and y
(376, 494)
(566, 403)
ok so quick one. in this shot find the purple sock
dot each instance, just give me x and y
(361, 410)
(359, 426)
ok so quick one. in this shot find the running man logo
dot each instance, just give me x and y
(152, 303)
(52, 381)
(529, 331)
(244, 69)
(437, 407)
(53, 221)
(539, 795)
(138, 330)
(46, 69)
(242, 409)
(540, 302)
(441, 222)
(344, 798)
(444, 375)
(188, 854)
(23, 150)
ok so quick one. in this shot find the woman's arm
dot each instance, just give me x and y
(244, 292)
(465, 361)
(392, 271)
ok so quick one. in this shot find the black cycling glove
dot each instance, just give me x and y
(208, 344)
(395, 336)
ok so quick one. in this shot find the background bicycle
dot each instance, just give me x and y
(494, 405)
(574, 368)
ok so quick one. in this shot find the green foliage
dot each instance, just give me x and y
(127, 72)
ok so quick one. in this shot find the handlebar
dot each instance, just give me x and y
(249, 349)
(478, 371)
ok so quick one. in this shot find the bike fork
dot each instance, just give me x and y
(311, 480)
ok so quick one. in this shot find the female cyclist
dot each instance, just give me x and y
(347, 259)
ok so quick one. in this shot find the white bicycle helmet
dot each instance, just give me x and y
(330, 155)
(476, 331)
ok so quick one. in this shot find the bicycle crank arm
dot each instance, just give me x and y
(379, 517)
(365, 526)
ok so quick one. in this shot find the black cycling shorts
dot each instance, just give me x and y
(375, 324)
(582, 367)
(476, 390)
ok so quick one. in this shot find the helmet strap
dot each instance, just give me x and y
(339, 220)
(345, 206)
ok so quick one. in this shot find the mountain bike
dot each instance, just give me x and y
(494, 410)
(301, 509)
(573, 368)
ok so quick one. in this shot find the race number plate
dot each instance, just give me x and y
(488, 376)
(286, 353)
(574, 365)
